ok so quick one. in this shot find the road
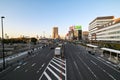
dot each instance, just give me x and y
(32, 68)
(84, 66)
(77, 65)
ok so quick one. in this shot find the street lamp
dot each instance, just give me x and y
(3, 42)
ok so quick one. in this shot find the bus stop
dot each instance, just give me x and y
(94, 48)
(111, 57)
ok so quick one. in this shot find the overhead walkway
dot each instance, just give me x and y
(114, 58)
(116, 52)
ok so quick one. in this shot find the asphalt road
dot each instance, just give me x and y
(83, 66)
(31, 69)
(78, 64)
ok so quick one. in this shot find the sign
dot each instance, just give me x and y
(78, 27)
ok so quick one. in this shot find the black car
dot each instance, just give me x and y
(90, 52)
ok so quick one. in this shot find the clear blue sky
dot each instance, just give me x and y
(33, 17)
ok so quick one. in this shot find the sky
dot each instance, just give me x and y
(38, 17)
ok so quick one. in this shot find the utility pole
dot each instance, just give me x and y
(3, 42)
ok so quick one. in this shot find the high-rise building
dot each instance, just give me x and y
(108, 31)
(97, 24)
(55, 33)
(85, 35)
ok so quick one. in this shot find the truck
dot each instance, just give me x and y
(57, 51)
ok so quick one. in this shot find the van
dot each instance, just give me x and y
(57, 51)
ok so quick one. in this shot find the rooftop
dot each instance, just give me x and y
(102, 17)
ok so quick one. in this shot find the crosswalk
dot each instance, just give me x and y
(55, 70)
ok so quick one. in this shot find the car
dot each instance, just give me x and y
(90, 52)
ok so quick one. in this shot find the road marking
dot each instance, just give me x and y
(92, 72)
(48, 77)
(77, 69)
(26, 70)
(16, 68)
(37, 72)
(25, 63)
(50, 67)
(33, 64)
(57, 69)
(44, 71)
(58, 61)
(93, 62)
(58, 65)
(40, 68)
(87, 67)
(105, 63)
(106, 72)
(43, 64)
(53, 73)
(65, 71)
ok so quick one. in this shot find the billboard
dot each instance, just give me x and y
(78, 27)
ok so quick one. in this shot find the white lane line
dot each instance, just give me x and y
(58, 65)
(44, 71)
(33, 64)
(77, 69)
(25, 63)
(16, 68)
(54, 73)
(37, 72)
(57, 69)
(40, 68)
(59, 61)
(65, 70)
(105, 63)
(106, 72)
(92, 72)
(43, 64)
(48, 77)
(87, 67)
(26, 70)
(93, 62)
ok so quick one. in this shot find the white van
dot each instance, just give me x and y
(57, 51)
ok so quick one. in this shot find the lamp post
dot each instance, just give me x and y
(3, 42)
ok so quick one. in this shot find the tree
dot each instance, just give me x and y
(33, 40)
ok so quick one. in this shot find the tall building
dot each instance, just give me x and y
(75, 33)
(55, 33)
(108, 31)
(97, 24)
(85, 35)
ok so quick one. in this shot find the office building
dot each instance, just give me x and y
(97, 24)
(85, 35)
(108, 29)
(55, 33)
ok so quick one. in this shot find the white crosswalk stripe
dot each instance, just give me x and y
(56, 69)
